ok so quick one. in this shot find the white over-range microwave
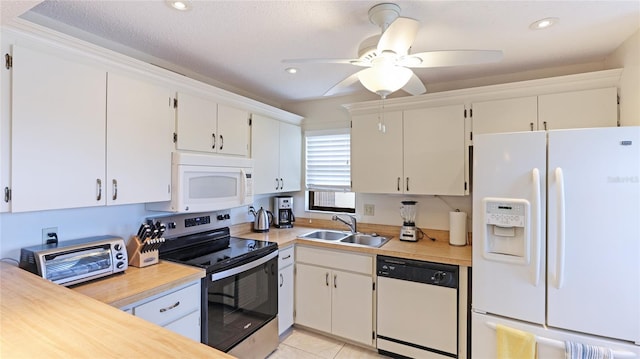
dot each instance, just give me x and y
(203, 182)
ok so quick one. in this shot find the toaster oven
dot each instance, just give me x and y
(76, 261)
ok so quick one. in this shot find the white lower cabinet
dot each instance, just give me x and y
(177, 309)
(285, 289)
(334, 293)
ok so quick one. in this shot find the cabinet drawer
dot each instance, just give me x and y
(360, 263)
(171, 306)
(285, 257)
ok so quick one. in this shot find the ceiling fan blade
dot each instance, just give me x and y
(343, 85)
(451, 58)
(414, 86)
(399, 36)
(319, 61)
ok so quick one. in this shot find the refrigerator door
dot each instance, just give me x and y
(594, 231)
(508, 257)
(549, 342)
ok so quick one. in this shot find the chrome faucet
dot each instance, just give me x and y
(352, 225)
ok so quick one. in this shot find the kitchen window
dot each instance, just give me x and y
(328, 171)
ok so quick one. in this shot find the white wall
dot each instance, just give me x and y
(627, 56)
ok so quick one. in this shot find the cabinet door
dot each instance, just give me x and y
(290, 157)
(352, 307)
(58, 132)
(578, 109)
(196, 123)
(509, 115)
(376, 156)
(313, 297)
(189, 326)
(265, 151)
(285, 299)
(434, 151)
(233, 131)
(139, 141)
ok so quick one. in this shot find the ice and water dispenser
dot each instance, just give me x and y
(507, 234)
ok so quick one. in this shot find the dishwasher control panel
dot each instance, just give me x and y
(444, 275)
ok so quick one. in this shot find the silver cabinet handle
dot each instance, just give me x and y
(407, 184)
(281, 280)
(287, 257)
(335, 281)
(398, 184)
(326, 279)
(221, 142)
(281, 183)
(99, 189)
(162, 310)
(115, 189)
(7, 196)
(545, 125)
(277, 184)
(531, 125)
(213, 135)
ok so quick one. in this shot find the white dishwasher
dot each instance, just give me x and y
(417, 309)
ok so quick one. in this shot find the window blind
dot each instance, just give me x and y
(328, 166)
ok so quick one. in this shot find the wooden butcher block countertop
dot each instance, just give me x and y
(438, 250)
(40, 319)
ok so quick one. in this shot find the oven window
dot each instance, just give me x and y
(241, 304)
(76, 264)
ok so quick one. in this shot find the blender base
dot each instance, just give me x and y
(409, 234)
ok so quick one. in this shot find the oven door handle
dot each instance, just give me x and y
(237, 270)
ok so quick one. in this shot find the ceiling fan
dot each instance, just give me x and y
(387, 58)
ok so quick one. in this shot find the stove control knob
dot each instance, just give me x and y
(439, 277)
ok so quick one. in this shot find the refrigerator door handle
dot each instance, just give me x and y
(561, 228)
(537, 226)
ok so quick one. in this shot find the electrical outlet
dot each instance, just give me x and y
(45, 233)
(369, 209)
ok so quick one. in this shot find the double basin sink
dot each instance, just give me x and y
(367, 240)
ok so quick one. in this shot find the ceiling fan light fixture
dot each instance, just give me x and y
(384, 79)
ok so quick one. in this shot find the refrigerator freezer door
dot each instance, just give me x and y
(549, 342)
(509, 171)
(594, 231)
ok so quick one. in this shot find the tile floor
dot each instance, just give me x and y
(302, 344)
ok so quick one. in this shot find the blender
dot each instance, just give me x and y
(408, 232)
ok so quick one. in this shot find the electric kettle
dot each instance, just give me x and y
(263, 218)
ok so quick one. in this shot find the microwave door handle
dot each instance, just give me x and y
(243, 183)
(245, 267)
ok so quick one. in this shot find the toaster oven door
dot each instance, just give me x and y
(74, 266)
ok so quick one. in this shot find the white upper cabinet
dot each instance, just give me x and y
(572, 109)
(508, 115)
(139, 140)
(376, 154)
(434, 151)
(578, 109)
(82, 137)
(206, 126)
(276, 148)
(58, 132)
(420, 151)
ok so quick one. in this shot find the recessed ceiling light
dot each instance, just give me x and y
(181, 5)
(291, 70)
(543, 23)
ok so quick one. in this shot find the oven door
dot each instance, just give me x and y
(241, 300)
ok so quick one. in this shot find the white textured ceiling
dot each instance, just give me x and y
(242, 43)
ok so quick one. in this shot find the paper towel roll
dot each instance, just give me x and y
(457, 228)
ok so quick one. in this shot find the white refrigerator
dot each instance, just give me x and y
(556, 239)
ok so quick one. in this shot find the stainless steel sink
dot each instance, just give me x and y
(326, 235)
(365, 240)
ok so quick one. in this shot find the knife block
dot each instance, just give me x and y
(137, 257)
